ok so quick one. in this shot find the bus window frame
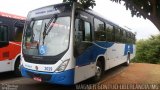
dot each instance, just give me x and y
(5, 43)
(95, 18)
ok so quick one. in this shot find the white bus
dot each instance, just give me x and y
(65, 44)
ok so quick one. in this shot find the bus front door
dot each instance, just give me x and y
(83, 50)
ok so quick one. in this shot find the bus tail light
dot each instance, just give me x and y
(63, 66)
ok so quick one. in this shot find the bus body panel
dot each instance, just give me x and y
(6, 65)
(66, 77)
(8, 56)
(83, 66)
(31, 70)
(117, 54)
(11, 52)
(63, 78)
(114, 54)
(84, 72)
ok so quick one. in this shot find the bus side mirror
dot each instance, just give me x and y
(4, 39)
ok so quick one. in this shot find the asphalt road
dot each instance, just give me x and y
(10, 82)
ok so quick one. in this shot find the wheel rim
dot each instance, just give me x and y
(98, 71)
(19, 67)
(128, 60)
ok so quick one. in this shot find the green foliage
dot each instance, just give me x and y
(148, 51)
(84, 3)
(149, 9)
(139, 6)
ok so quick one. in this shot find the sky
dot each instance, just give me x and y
(114, 12)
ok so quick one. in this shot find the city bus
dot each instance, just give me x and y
(66, 44)
(11, 29)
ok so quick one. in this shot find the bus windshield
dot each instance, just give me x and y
(55, 31)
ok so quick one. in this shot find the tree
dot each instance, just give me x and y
(84, 3)
(148, 50)
(149, 9)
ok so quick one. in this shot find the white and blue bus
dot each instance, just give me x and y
(66, 44)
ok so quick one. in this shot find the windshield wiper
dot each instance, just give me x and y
(45, 32)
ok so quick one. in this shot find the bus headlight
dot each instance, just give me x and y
(63, 66)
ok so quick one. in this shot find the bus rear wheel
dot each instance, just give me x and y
(99, 72)
(128, 60)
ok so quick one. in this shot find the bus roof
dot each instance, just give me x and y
(3, 14)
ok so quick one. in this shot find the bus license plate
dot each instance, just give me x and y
(37, 79)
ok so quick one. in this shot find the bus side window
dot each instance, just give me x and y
(78, 31)
(82, 36)
(87, 31)
(4, 40)
(99, 32)
(83, 30)
(3, 33)
(125, 37)
(133, 39)
(109, 32)
(117, 34)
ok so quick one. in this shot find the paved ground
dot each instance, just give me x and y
(136, 73)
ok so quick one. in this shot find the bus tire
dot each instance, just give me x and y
(128, 60)
(99, 71)
(17, 68)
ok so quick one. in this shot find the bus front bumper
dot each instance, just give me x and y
(63, 78)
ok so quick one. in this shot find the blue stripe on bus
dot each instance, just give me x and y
(63, 78)
(90, 54)
(128, 48)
